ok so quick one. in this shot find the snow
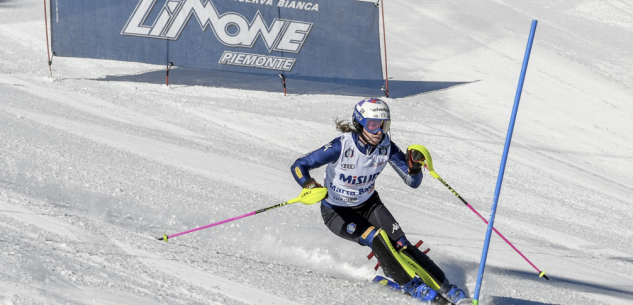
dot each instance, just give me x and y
(93, 171)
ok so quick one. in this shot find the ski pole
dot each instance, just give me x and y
(428, 163)
(307, 197)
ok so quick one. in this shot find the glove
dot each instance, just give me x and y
(310, 184)
(414, 161)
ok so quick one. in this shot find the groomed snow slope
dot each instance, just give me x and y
(91, 172)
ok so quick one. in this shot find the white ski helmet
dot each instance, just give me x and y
(372, 114)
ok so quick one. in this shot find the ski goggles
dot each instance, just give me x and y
(376, 125)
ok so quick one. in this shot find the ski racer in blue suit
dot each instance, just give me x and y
(353, 209)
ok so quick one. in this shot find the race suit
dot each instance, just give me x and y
(352, 204)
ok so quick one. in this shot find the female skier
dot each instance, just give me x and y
(353, 210)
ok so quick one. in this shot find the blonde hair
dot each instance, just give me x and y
(344, 125)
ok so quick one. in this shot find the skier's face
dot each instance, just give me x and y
(373, 139)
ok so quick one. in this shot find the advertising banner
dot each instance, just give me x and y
(334, 41)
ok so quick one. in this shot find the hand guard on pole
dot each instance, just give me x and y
(415, 160)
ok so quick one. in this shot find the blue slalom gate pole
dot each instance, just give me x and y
(515, 108)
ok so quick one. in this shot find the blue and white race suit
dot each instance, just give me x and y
(352, 168)
(353, 209)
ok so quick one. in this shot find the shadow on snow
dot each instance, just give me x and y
(272, 83)
(512, 301)
(619, 291)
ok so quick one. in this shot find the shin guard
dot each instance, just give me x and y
(393, 264)
(423, 266)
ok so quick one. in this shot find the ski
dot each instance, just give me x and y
(439, 300)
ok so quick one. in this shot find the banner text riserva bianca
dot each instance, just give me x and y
(299, 5)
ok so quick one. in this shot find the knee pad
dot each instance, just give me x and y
(402, 242)
(368, 237)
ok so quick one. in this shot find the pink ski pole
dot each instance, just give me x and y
(541, 273)
(428, 164)
(307, 197)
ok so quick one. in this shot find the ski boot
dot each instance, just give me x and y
(417, 289)
(453, 294)
(422, 293)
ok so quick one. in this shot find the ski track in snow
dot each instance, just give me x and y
(91, 172)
